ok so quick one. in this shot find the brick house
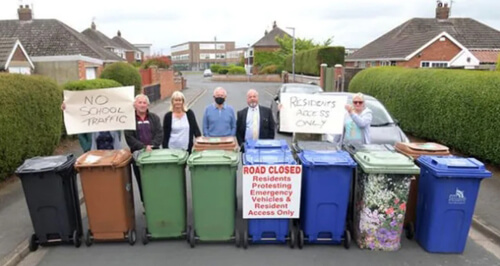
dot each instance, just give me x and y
(132, 53)
(57, 50)
(432, 42)
(14, 58)
(267, 43)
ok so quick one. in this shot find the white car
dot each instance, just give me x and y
(207, 73)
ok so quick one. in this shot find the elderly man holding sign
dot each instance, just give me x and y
(148, 133)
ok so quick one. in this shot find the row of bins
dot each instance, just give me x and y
(366, 197)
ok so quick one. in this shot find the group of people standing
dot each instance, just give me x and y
(180, 127)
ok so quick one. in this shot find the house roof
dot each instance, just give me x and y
(269, 39)
(124, 43)
(415, 33)
(51, 37)
(486, 56)
(6, 47)
(99, 38)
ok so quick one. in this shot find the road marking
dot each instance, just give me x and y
(196, 98)
(484, 242)
(272, 95)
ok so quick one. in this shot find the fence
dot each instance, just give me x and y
(153, 92)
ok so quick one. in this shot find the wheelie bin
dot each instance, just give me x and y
(265, 231)
(449, 186)
(266, 144)
(326, 186)
(164, 191)
(107, 187)
(381, 193)
(415, 150)
(51, 192)
(213, 188)
(216, 143)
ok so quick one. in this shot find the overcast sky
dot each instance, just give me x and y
(351, 23)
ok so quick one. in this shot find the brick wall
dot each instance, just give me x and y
(19, 55)
(81, 70)
(169, 82)
(130, 56)
(438, 51)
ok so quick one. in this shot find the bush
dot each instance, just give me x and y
(30, 118)
(498, 63)
(458, 108)
(236, 70)
(81, 85)
(155, 62)
(124, 73)
(270, 69)
(215, 68)
(223, 70)
(308, 62)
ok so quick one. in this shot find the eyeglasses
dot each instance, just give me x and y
(357, 102)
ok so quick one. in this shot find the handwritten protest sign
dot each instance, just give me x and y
(312, 113)
(99, 110)
(271, 191)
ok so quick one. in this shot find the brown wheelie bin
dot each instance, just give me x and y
(107, 188)
(216, 143)
(415, 150)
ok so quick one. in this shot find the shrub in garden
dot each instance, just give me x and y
(124, 73)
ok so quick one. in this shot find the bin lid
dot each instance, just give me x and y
(267, 144)
(333, 158)
(385, 162)
(268, 156)
(353, 147)
(163, 156)
(303, 145)
(214, 157)
(98, 158)
(46, 164)
(417, 149)
(454, 166)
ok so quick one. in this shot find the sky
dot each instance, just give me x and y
(350, 23)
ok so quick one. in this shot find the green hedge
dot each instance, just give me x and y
(266, 58)
(81, 85)
(498, 63)
(30, 119)
(215, 68)
(236, 70)
(308, 62)
(458, 108)
(124, 73)
(155, 62)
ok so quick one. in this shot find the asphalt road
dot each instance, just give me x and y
(479, 251)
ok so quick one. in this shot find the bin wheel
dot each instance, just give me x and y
(89, 239)
(145, 236)
(191, 238)
(131, 236)
(33, 243)
(237, 238)
(245, 239)
(347, 239)
(293, 238)
(77, 241)
(300, 242)
(410, 230)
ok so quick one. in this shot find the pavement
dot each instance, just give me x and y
(16, 227)
(15, 223)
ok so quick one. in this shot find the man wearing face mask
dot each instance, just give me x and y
(255, 121)
(218, 119)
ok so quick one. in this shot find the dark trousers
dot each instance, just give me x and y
(137, 174)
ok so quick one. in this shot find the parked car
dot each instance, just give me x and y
(207, 73)
(384, 128)
(291, 88)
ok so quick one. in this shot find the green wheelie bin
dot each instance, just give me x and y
(164, 190)
(213, 188)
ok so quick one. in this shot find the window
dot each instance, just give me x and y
(393, 63)
(373, 63)
(362, 64)
(20, 70)
(434, 64)
(385, 63)
(90, 73)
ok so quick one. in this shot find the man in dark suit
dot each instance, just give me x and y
(254, 121)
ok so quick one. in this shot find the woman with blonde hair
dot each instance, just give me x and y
(179, 124)
(357, 121)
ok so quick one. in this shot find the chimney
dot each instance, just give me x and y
(92, 26)
(119, 34)
(274, 24)
(25, 13)
(265, 33)
(442, 11)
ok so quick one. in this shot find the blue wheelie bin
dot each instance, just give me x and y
(326, 186)
(276, 231)
(448, 189)
(266, 144)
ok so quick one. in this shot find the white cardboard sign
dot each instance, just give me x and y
(312, 113)
(99, 110)
(271, 191)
